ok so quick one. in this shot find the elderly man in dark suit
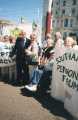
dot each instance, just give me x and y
(19, 50)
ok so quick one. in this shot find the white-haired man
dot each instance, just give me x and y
(58, 40)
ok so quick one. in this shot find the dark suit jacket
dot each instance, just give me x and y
(28, 42)
(19, 48)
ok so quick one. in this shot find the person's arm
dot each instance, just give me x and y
(28, 51)
(32, 50)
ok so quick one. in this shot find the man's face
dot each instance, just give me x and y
(22, 35)
(57, 36)
(49, 42)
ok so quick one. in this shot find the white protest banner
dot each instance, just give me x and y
(70, 78)
(5, 59)
(65, 80)
(57, 86)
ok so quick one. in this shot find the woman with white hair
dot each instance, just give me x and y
(69, 42)
(58, 40)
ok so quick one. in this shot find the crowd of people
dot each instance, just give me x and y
(7, 39)
(28, 52)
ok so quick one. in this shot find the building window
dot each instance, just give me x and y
(64, 3)
(52, 5)
(57, 21)
(61, 22)
(73, 11)
(66, 23)
(77, 17)
(64, 35)
(57, 3)
(56, 13)
(74, 2)
(63, 12)
(53, 23)
(71, 23)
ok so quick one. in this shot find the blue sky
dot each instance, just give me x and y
(14, 9)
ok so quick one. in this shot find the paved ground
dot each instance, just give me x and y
(18, 104)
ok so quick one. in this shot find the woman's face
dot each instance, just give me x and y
(33, 37)
(6, 38)
(69, 42)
